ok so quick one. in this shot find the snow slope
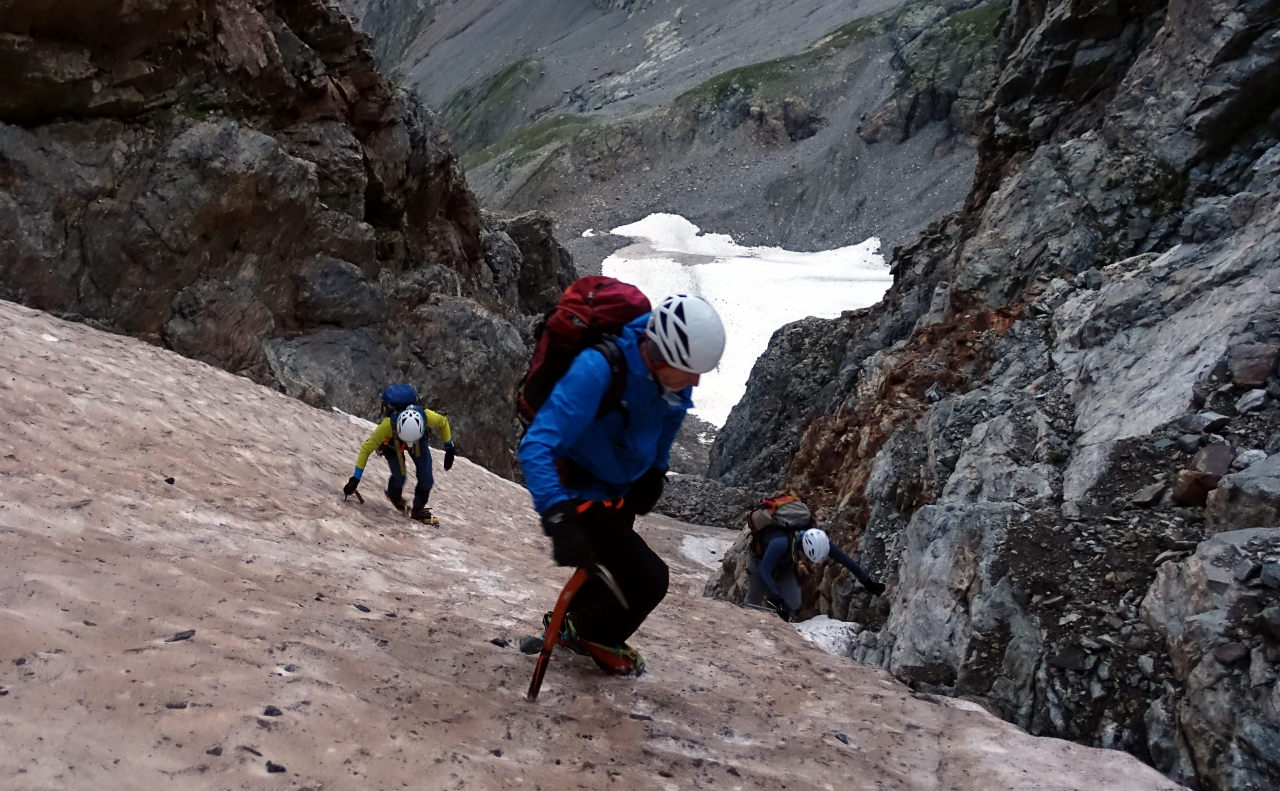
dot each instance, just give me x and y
(144, 497)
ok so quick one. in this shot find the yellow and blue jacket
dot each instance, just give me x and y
(384, 436)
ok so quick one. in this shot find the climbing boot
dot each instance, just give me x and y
(616, 660)
(424, 516)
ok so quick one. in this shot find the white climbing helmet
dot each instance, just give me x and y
(815, 544)
(688, 332)
(411, 425)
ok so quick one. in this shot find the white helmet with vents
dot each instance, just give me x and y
(411, 425)
(688, 333)
(815, 544)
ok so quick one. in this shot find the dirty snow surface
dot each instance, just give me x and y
(186, 602)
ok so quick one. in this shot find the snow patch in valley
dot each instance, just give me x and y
(755, 289)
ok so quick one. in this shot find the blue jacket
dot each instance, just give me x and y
(614, 449)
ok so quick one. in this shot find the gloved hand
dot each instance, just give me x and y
(569, 545)
(644, 493)
(780, 607)
(876, 588)
(350, 488)
(448, 455)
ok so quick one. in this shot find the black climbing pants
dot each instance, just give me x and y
(596, 613)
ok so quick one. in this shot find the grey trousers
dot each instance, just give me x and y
(784, 576)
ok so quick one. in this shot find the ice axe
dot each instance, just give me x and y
(771, 609)
(612, 584)
(552, 634)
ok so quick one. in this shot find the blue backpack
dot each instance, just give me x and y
(396, 397)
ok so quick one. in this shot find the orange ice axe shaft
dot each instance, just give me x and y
(552, 635)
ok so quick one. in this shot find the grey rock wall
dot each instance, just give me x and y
(1070, 386)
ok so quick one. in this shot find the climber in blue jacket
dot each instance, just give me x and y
(590, 474)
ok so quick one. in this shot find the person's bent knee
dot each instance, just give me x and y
(656, 589)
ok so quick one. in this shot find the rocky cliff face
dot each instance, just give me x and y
(1071, 386)
(235, 181)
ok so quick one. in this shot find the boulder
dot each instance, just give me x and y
(333, 366)
(333, 291)
(1192, 487)
(1208, 619)
(1252, 363)
(1213, 459)
(1249, 498)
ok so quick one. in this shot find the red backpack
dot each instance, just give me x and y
(591, 311)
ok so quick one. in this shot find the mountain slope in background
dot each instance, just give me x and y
(338, 645)
(811, 124)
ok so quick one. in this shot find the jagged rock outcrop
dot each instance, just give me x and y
(1249, 498)
(789, 384)
(1069, 386)
(235, 181)
(944, 56)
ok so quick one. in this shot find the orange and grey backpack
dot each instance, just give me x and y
(782, 514)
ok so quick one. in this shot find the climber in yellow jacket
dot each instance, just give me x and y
(404, 428)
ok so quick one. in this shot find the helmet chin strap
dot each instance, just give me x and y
(649, 353)
(652, 357)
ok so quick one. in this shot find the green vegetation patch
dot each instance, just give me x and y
(492, 97)
(521, 145)
(847, 34)
(945, 53)
(780, 76)
(975, 30)
(775, 76)
(191, 107)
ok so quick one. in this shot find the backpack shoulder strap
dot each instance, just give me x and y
(617, 361)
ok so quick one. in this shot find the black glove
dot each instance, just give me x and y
(780, 607)
(569, 545)
(876, 588)
(448, 455)
(350, 488)
(645, 492)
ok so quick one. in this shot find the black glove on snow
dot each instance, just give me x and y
(350, 488)
(448, 455)
(645, 492)
(569, 545)
(876, 588)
